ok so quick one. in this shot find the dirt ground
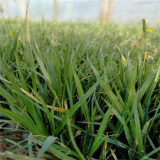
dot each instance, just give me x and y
(4, 146)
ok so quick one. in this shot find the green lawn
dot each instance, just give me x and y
(81, 91)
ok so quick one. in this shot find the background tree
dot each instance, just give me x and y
(107, 7)
(22, 6)
(1, 8)
(56, 9)
(7, 8)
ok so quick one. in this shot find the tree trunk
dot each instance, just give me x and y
(1, 8)
(56, 9)
(7, 8)
(111, 5)
(107, 7)
(104, 7)
(22, 8)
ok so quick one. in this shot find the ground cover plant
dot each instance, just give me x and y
(80, 91)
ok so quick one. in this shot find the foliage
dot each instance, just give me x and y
(81, 90)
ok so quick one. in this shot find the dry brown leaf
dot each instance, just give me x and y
(78, 133)
(32, 97)
(62, 145)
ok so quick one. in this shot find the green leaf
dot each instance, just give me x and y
(18, 156)
(100, 132)
(29, 145)
(151, 153)
(138, 127)
(71, 111)
(47, 143)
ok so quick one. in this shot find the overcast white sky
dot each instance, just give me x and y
(86, 9)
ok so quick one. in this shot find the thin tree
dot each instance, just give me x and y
(1, 8)
(56, 9)
(110, 10)
(22, 8)
(104, 7)
(107, 7)
(7, 8)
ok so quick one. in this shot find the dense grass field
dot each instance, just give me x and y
(80, 91)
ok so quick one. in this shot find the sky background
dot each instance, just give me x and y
(86, 10)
